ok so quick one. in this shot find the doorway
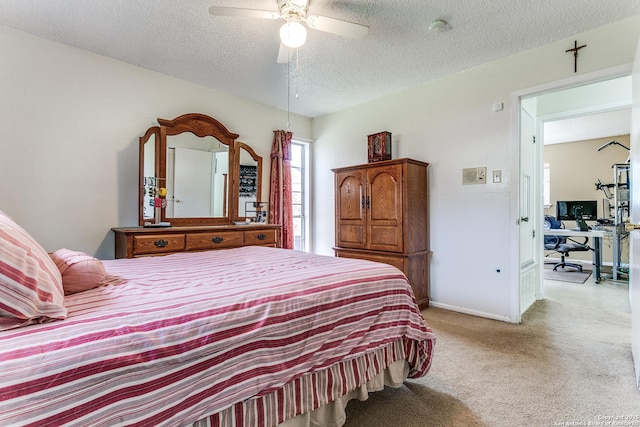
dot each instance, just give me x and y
(566, 99)
(584, 133)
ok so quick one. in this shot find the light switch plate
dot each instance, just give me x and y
(482, 176)
(497, 176)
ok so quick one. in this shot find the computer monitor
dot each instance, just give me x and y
(586, 210)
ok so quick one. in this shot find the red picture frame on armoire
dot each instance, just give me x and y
(379, 146)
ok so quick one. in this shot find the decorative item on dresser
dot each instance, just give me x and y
(132, 242)
(382, 215)
(379, 146)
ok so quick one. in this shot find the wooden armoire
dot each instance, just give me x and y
(382, 214)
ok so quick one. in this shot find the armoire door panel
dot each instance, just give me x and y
(385, 238)
(384, 215)
(351, 196)
(384, 209)
(351, 235)
(385, 193)
(350, 209)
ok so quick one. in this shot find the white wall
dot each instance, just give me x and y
(69, 137)
(450, 124)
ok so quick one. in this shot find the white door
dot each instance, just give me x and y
(527, 211)
(219, 183)
(634, 258)
(192, 183)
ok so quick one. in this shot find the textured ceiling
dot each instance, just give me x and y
(238, 55)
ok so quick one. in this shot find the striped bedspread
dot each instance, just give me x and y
(247, 336)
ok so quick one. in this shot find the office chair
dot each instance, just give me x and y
(562, 245)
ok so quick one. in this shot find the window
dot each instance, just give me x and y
(300, 194)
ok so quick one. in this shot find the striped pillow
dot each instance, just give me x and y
(30, 283)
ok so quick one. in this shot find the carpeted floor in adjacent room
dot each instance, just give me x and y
(568, 363)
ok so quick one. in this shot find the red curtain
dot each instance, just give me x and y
(280, 206)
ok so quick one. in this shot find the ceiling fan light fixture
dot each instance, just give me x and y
(438, 25)
(293, 34)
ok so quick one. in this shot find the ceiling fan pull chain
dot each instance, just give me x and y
(297, 74)
(288, 92)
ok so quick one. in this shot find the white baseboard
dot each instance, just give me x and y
(469, 311)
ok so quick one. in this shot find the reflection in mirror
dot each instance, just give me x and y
(249, 182)
(149, 178)
(197, 177)
(148, 174)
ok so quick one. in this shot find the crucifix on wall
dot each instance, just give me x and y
(575, 50)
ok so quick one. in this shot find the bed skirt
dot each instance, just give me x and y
(333, 413)
(319, 398)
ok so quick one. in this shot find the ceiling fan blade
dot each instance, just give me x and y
(237, 11)
(283, 54)
(337, 26)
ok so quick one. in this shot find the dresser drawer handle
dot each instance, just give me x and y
(262, 236)
(217, 239)
(160, 243)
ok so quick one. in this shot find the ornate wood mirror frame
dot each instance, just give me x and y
(249, 174)
(147, 172)
(201, 126)
(153, 169)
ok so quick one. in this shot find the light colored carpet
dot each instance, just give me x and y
(568, 362)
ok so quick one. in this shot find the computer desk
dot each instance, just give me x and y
(596, 235)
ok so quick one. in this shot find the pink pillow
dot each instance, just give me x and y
(30, 283)
(80, 271)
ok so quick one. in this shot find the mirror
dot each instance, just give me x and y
(198, 161)
(147, 174)
(201, 195)
(197, 177)
(249, 167)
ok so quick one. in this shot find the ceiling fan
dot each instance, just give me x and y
(293, 34)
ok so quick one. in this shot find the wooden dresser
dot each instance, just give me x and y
(382, 214)
(134, 242)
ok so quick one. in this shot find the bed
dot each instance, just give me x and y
(251, 336)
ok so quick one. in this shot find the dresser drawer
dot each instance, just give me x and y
(260, 237)
(217, 240)
(133, 242)
(158, 243)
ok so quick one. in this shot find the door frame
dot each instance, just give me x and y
(516, 98)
